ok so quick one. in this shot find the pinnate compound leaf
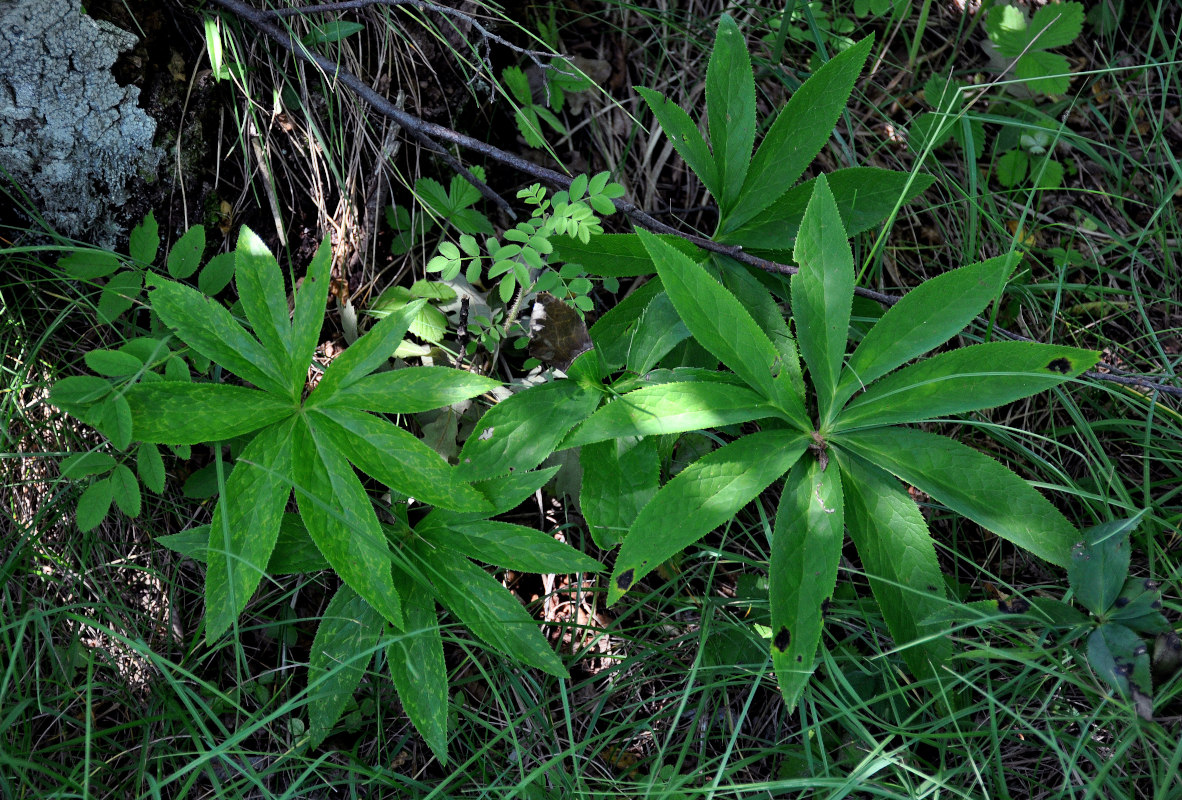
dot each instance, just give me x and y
(730, 109)
(1121, 658)
(417, 666)
(519, 432)
(113, 420)
(488, 609)
(343, 646)
(207, 327)
(720, 324)
(620, 477)
(971, 484)
(260, 288)
(798, 134)
(1100, 563)
(823, 293)
(865, 197)
(806, 549)
(411, 390)
(150, 466)
(119, 294)
(899, 558)
(94, 504)
(511, 546)
(245, 525)
(684, 135)
(967, 379)
(83, 465)
(396, 458)
(125, 490)
(703, 496)
(145, 240)
(671, 408)
(367, 353)
(216, 274)
(340, 518)
(174, 412)
(86, 265)
(926, 317)
(113, 363)
(78, 392)
(185, 255)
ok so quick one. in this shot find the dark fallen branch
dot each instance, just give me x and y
(427, 133)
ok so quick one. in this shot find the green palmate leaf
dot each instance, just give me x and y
(308, 318)
(671, 408)
(971, 484)
(899, 558)
(173, 412)
(245, 525)
(87, 265)
(657, 331)
(613, 332)
(721, 325)
(217, 274)
(294, 553)
(125, 490)
(366, 354)
(865, 197)
(513, 547)
(185, 256)
(617, 255)
(113, 419)
(798, 134)
(208, 328)
(730, 108)
(342, 648)
(620, 476)
(260, 288)
(971, 378)
(703, 496)
(488, 609)
(119, 294)
(417, 666)
(396, 458)
(1121, 658)
(1100, 563)
(806, 549)
(684, 135)
(145, 240)
(927, 316)
(94, 504)
(341, 519)
(150, 466)
(83, 465)
(518, 433)
(823, 294)
(756, 298)
(411, 390)
(113, 363)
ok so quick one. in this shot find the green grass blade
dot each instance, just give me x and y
(245, 526)
(410, 390)
(926, 317)
(340, 652)
(703, 496)
(806, 548)
(798, 134)
(969, 483)
(671, 408)
(730, 109)
(340, 519)
(968, 379)
(173, 412)
(823, 294)
(899, 558)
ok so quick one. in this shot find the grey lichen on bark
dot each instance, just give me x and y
(70, 136)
